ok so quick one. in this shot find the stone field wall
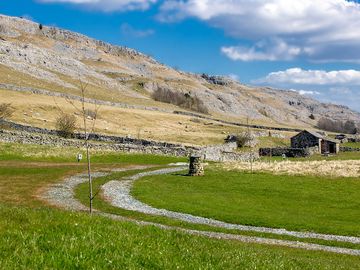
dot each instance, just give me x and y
(289, 152)
(32, 135)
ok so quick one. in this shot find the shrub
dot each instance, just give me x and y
(179, 99)
(6, 111)
(66, 125)
(242, 139)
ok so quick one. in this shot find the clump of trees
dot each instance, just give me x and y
(66, 125)
(327, 124)
(186, 100)
(6, 111)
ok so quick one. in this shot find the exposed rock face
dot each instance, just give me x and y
(60, 57)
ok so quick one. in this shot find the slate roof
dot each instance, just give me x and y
(318, 135)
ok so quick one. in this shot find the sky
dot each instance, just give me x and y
(309, 46)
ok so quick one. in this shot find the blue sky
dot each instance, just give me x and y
(311, 46)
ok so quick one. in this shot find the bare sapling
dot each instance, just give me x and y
(89, 118)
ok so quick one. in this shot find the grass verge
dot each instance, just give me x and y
(52, 239)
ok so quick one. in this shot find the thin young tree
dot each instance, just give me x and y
(88, 128)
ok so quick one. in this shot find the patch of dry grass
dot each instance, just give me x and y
(41, 111)
(331, 168)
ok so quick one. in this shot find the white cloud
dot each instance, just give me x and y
(108, 5)
(262, 51)
(320, 30)
(339, 86)
(306, 92)
(311, 77)
(128, 30)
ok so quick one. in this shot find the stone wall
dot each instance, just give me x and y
(349, 149)
(246, 156)
(53, 140)
(121, 144)
(289, 152)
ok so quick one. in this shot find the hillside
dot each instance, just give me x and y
(40, 60)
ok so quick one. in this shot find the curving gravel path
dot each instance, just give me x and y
(62, 195)
(118, 193)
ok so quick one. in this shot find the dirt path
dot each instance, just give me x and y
(118, 193)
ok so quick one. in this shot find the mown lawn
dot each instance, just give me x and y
(261, 199)
(52, 239)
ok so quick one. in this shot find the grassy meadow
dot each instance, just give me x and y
(36, 236)
(311, 203)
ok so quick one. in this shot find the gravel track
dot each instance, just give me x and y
(62, 194)
(118, 194)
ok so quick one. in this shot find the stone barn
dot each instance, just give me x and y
(311, 139)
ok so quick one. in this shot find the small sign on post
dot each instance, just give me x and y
(79, 157)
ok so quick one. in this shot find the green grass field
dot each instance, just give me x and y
(51, 239)
(260, 199)
(35, 236)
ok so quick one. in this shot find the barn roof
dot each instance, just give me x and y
(318, 135)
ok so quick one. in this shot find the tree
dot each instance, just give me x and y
(88, 128)
(350, 127)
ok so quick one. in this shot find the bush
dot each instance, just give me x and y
(66, 125)
(327, 124)
(179, 99)
(6, 111)
(242, 139)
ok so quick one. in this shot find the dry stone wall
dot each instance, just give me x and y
(34, 135)
(349, 149)
(289, 152)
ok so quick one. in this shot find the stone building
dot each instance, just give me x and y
(311, 139)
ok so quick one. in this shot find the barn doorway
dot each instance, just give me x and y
(332, 149)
